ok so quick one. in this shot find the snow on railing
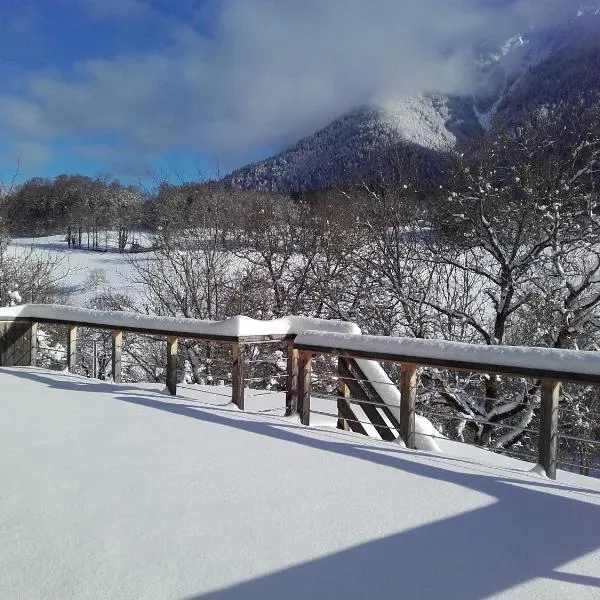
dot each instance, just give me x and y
(566, 365)
(234, 328)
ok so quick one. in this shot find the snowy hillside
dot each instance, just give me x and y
(118, 491)
(541, 65)
(361, 145)
(547, 65)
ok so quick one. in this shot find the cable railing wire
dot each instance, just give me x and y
(336, 416)
(351, 400)
(578, 439)
(496, 401)
(344, 378)
(250, 379)
(578, 466)
(579, 412)
(531, 457)
(475, 420)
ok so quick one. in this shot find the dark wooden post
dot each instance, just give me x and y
(71, 348)
(5, 344)
(117, 348)
(548, 444)
(304, 377)
(343, 394)
(172, 343)
(291, 388)
(408, 398)
(237, 375)
(33, 342)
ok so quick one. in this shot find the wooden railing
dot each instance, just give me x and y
(550, 366)
(19, 326)
(18, 343)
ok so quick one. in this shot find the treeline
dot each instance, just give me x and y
(76, 206)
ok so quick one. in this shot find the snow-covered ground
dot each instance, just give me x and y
(88, 273)
(119, 491)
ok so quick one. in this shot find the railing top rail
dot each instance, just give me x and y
(234, 329)
(543, 363)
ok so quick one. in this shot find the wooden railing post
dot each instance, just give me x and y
(71, 348)
(548, 444)
(117, 348)
(172, 344)
(408, 398)
(343, 394)
(291, 389)
(304, 379)
(33, 343)
(237, 375)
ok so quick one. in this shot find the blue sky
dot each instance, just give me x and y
(191, 88)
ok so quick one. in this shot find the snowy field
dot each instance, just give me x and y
(88, 273)
(119, 491)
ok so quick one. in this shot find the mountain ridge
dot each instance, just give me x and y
(528, 71)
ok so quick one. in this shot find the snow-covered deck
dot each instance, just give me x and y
(120, 491)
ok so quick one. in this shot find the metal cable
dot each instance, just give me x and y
(578, 439)
(474, 420)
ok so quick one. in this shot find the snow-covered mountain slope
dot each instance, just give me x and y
(360, 145)
(542, 65)
(546, 65)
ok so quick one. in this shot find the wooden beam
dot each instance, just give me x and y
(452, 364)
(291, 391)
(343, 395)
(71, 348)
(346, 369)
(33, 344)
(117, 349)
(17, 349)
(3, 340)
(372, 393)
(237, 376)
(172, 345)
(182, 334)
(408, 398)
(5, 344)
(548, 444)
(349, 417)
(304, 380)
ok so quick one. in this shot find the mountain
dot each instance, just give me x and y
(359, 145)
(532, 69)
(545, 66)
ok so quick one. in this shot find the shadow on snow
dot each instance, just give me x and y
(524, 535)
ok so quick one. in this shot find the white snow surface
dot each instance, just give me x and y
(420, 119)
(121, 492)
(541, 359)
(234, 326)
(85, 274)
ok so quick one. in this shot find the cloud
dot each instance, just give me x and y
(24, 116)
(270, 71)
(28, 154)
